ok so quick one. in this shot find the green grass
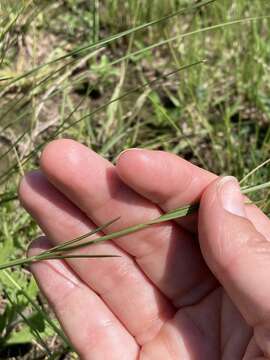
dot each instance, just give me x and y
(70, 69)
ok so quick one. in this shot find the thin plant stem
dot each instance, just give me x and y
(256, 188)
(41, 257)
(62, 247)
(59, 252)
(266, 162)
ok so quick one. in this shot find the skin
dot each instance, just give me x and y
(193, 289)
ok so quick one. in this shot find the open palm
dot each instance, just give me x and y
(159, 300)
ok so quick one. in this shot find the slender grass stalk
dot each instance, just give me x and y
(266, 162)
(61, 247)
(63, 251)
(256, 188)
(41, 257)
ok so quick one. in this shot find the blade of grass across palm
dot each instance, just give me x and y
(56, 251)
(75, 256)
(172, 215)
(177, 213)
(61, 247)
(42, 257)
(66, 247)
(107, 41)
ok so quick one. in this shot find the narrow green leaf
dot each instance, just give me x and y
(58, 252)
(80, 238)
(256, 188)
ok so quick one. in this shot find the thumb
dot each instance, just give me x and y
(237, 254)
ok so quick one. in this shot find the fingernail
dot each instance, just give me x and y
(126, 150)
(231, 196)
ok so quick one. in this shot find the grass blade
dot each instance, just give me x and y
(42, 257)
(74, 256)
(266, 162)
(80, 238)
(256, 188)
(75, 243)
(172, 215)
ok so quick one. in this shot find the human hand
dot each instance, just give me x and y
(197, 288)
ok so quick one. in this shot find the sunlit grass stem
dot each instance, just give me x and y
(63, 250)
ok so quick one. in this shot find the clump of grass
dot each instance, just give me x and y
(63, 250)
